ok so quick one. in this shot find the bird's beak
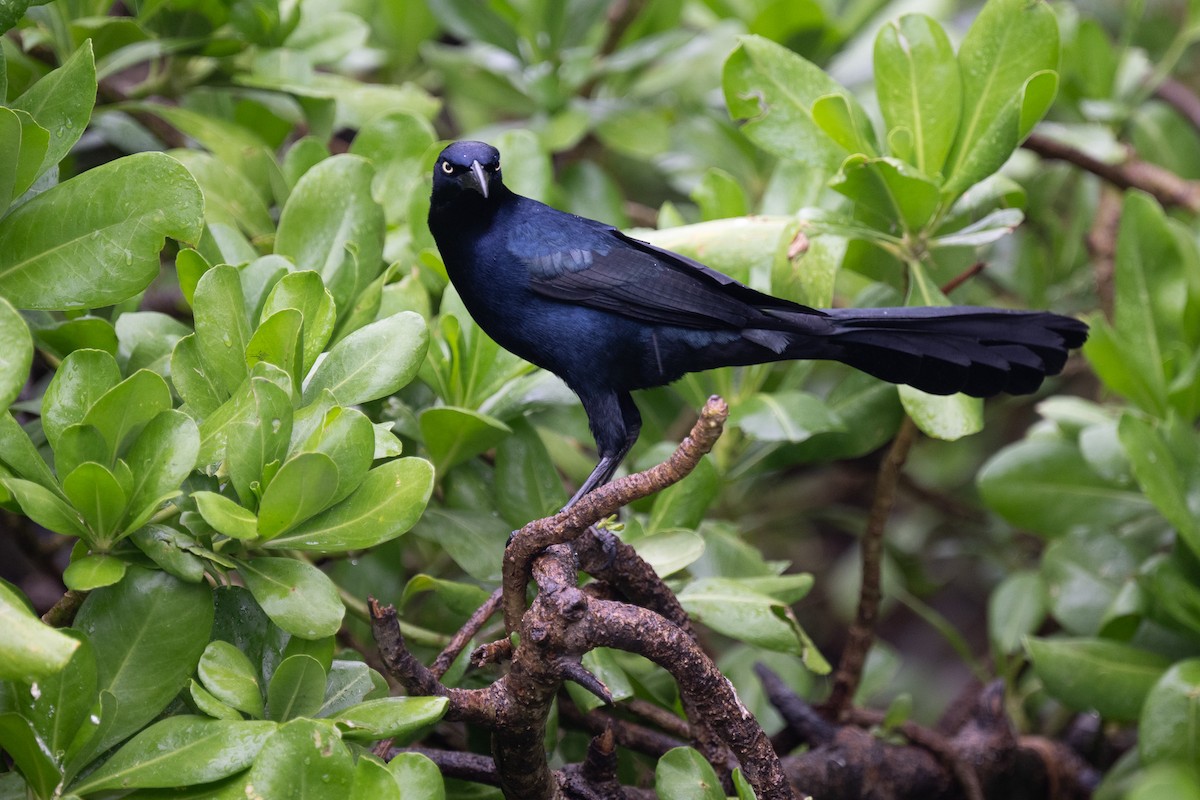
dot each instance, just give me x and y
(479, 179)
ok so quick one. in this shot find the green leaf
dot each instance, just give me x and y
(94, 240)
(30, 141)
(92, 572)
(190, 266)
(305, 292)
(528, 486)
(1158, 473)
(61, 102)
(891, 188)
(30, 648)
(96, 494)
(297, 688)
(222, 330)
(169, 549)
(348, 438)
(146, 339)
(66, 336)
(453, 435)
(16, 353)
(257, 437)
(418, 775)
(349, 683)
(1169, 725)
(29, 753)
(229, 197)
(374, 361)
(19, 455)
(124, 410)
(669, 551)
(82, 378)
(1006, 60)
(78, 444)
(226, 516)
(774, 90)
(209, 705)
(277, 341)
(474, 539)
(684, 504)
(148, 632)
(228, 674)
(161, 458)
(297, 596)
(387, 503)
(1046, 486)
(220, 431)
(734, 609)
(46, 508)
(946, 417)
(372, 781)
(1016, 608)
(302, 487)
(305, 758)
(200, 393)
(63, 699)
(400, 717)
(788, 416)
(315, 235)
(919, 87)
(1095, 674)
(180, 751)
(684, 774)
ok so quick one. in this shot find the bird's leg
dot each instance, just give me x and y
(615, 423)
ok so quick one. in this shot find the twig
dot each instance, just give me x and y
(941, 748)
(628, 734)
(862, 632)
(603, 502)
(62, 613)
(467, 632)
(1180, 96)
(1102, 245)
(962, 277)
(1166, 187)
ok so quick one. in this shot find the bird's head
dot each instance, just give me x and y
(467, 167)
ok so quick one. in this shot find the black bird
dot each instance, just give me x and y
(609, 314)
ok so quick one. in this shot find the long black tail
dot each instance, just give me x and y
(943, 350)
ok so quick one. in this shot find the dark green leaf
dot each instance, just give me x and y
(1169, 726)
(1094, 674)
(148, 632)
(305, 758)
(16, 353)
(162, 457)
(453, 435)
(61, 102)
(1016, 609)
(784, 416)
(29, 753)
(297, 688)
(229, 675)
(390, 716)
(180, 751)
(528, 486)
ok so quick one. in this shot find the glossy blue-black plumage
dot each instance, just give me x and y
(610, 314)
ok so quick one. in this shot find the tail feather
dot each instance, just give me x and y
(943, 350)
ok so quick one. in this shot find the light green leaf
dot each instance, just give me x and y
(372, 781)
(61, 102)
(946, 417)
(891, 188)
(82, 378)
(30, 649)
(92, 572)
(386, 504)
(305, 292)
(1159, 475)
(1016, 609)
(29, 753)
(94, 240)
(304, 486)
(419, 775)
(669, 551)
(347, 436)
(162, 457)
(46, 508)
(305, 758)
(97, 495)
(684, 774)
(201, 394)
(374, 361)
(297, 596)
(390, 716)
(919, 87)
(124, 410)
(316, 236)
(774, 89)
(226, 516)
(789, 416)
(222, 330)
(297, 688)
(257, 437)
(229, 675)
(528, 486)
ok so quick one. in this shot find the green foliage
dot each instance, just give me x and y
(236, 465)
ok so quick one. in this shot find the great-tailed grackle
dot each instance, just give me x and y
(609, 314)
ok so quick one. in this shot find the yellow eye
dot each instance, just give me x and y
(446, 168)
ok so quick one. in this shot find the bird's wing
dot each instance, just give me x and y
(603, 268)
